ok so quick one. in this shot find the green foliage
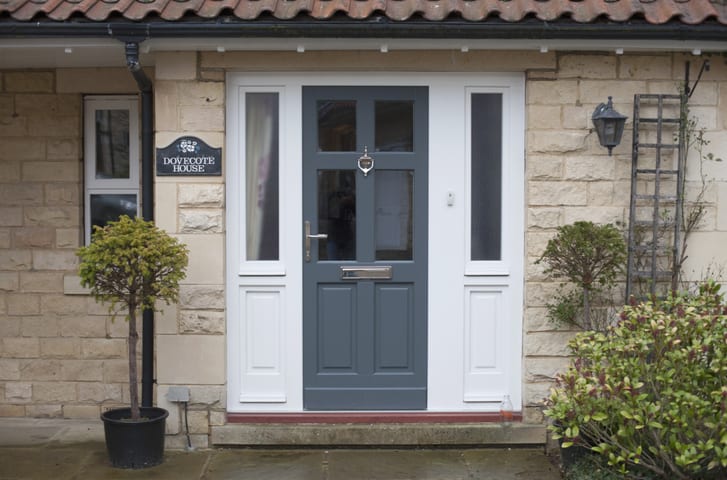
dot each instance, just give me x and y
(650, 395)
(590, 257)
(132, 264)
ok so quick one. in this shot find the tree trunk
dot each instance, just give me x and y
(133, 370)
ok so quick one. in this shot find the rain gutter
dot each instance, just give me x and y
(147, 205)
(374, 27)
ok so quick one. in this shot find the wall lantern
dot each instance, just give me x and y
(609, 125)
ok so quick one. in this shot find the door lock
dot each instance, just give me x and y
(311, 236)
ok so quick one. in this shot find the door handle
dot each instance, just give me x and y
(311, 236)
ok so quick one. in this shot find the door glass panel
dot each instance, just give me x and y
(394, 126)
(486, 176)
(336, 125)
(337, 214)
(394, 214)
(261, 175)
(112, 144)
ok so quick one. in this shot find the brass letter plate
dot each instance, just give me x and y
(382, 272)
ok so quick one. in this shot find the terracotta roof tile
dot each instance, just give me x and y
(691, 12)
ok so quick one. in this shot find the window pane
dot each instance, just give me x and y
(337, 125)
(112, 144)
(486, 176)
(394, 214)
(337, 214)
(394, 126)
(109, 207)
(261, 176)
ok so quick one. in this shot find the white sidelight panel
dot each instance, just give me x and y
(486, 345)
(262, 360)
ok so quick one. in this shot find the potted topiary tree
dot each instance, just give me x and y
(132, 264)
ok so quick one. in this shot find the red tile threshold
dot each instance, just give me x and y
(369, 417)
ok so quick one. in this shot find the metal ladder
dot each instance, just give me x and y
(657, 179)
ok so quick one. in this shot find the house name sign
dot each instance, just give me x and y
(189, 156)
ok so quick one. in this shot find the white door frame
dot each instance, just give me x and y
(475, 309)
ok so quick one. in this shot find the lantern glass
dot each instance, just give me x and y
(609, 125)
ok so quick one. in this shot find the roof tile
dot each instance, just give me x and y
(692, 12)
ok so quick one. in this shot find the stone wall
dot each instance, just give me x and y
(570, 177)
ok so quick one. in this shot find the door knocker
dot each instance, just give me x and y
(365, 163)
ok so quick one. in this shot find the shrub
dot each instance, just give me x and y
(650, 395)
(590, 257)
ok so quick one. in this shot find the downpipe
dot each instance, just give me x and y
(147, 207)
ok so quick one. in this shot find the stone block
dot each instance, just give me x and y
(63, 194)
(556, 141)
(60, 171)
(165, 201)
(9, 369)
(40, 282)
(535, 394)
(201, 93)
(540, 294)
(21, 150)
(201, 221)
(176, 66)
(544, 217)
(615, 215)
(60, 347)
(39, 370)
(218, 418)
(536, 242)
(11, 216)
(212, 75)
(52, 216)
(29, 81)
(622, 91)
(547, 343)
(198, 421)
(18, 392)
(643, 67)
(34, 237)
(165, 320)
(118, 327)
(208, 395)
(99, 392)
(47, 105)
(602, 193)
(4, 238)
(544, 369)
(21, 194)
(191, 359)
(587, 66)
(544, 117)
(577, 117)
(44, 411)
(96, 80)
(23, 304)
(12, 410)
(81, 411)
(544, 167)
(201, 297)
(82, 370)
(549, 194)
(203, 322)
(61, 148)
(583, 167)
(68, 237)
(206, 258)
(203, 119)
(116, 371)
(63, 305)
(207, 195)
(9, 326)
(9, 281)
(54, 392)
(549, 92)
(103, 348)
(40, 326)
(85, 326)
(72, 285)
(55, 260)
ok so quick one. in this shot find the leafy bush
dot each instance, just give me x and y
(131, 264)
(650, 395)
(590, 257)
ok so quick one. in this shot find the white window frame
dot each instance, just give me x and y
(109, 186)
(238, 173)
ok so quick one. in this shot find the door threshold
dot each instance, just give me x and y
(369, 417)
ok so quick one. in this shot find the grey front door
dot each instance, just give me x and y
(365, 248)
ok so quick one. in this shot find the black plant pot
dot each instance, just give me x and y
(135, 444)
